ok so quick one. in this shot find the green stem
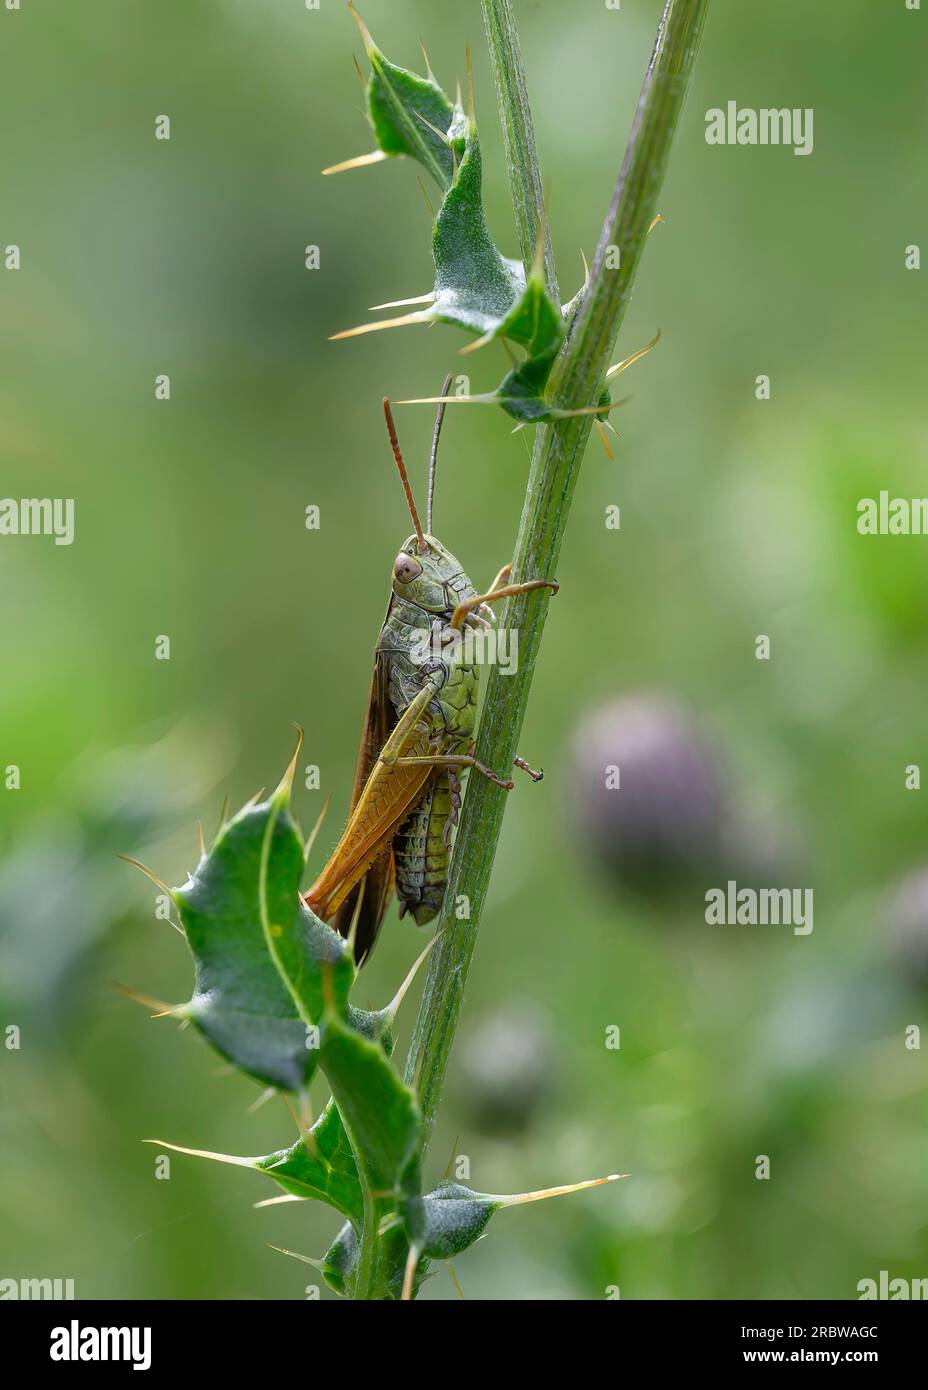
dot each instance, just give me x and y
(366, 1245)
(518, 136)
(577, 381)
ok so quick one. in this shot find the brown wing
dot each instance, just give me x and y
(384, 804)
(377, 885)
(361, 865)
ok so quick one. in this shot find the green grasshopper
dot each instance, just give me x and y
(417, 736)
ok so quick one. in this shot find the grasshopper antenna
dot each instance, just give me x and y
(404, 477)
(433, 456)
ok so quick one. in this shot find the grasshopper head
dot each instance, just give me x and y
(431, 578)
(424, 572)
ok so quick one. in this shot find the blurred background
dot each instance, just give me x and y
(738, 518)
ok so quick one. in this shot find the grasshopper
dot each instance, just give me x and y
(417, 736)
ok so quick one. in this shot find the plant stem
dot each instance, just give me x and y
(518, 136)
(577, 382)
(366, 1246)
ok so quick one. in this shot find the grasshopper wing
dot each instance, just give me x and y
(377, 885)
(361, 864)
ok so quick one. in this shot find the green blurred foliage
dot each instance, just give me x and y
(738, 518)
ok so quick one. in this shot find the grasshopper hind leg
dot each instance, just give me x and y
(454, 787)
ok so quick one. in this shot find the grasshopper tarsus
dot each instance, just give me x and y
(536, 776)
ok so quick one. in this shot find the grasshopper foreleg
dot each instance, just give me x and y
(399, 738)
(498, 591)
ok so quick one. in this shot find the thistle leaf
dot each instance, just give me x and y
(271, 994)
(241, 1003)
(476, 288)
(410, 115)
(379, 1112)
(451, 1217)
(340, 1263)
(448, 1219)
(320, 1166)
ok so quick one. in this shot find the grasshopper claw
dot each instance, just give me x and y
(523, 765)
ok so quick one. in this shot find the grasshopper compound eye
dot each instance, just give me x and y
(405, 568)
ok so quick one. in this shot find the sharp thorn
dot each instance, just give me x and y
(618, 367)
(267, 1094)
(294, 1255)
(234, 1159)
(149, 873)
(359, 161)
(382, 323)
(285, 786)
(162, 1010)
(315, 830)
(400, 303)
(369, 45)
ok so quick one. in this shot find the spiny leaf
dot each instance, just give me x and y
(313, 961)
(272, 985)
(251, 876)
(476, 287)
(410, 115)
(340, 1261)
(379, 1112)
(451, 1217)
(339, 1264)
(448, 1219)
(320, 1166)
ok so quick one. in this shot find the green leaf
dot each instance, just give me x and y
(321, 1166)
(476, 287)
(318, 1166)
(313, 961)
(340, 1263)
(244, 893)
(379, 1112)
(272, 984)
(451, 1217)
(407, 112)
